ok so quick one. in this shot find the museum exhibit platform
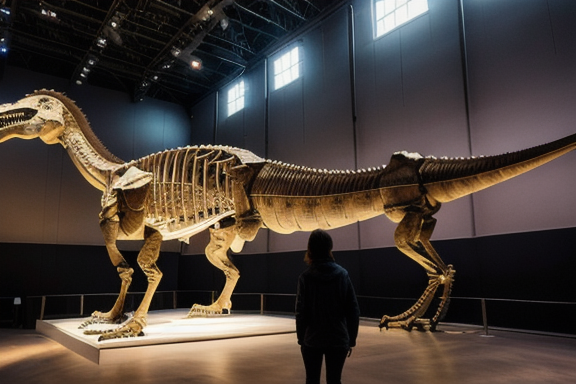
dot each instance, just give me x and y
(165, 328)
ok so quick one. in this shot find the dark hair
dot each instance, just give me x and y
(319, 247)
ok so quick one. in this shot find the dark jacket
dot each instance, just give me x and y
(327, 313)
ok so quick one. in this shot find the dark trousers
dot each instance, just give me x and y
(335, 358)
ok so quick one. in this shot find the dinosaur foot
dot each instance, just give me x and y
(101, 318)
(98, 326)
(130, 328)
(198, 310)
(407, 324)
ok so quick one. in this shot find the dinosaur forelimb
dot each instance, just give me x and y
(217, 254)
(130, 328)
(114, 316)
(147, 260)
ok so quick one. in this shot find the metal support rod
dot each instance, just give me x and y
(261, 303)
(484, 316)
(81, 305)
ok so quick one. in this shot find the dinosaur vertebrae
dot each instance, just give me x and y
(291, 198)
(191, 186)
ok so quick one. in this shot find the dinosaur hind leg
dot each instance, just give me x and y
(412, 237)
(217, 253)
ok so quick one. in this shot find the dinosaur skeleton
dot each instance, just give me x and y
(232, 192)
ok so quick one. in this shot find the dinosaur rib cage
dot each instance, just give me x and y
(191, 186)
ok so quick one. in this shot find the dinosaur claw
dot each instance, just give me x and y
(131, 328)
(198, 310)
(98, 318)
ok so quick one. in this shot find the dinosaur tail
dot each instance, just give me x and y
(448, 179)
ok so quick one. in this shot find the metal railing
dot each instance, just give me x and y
(489, 313)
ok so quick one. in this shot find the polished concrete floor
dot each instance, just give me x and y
(454, 355)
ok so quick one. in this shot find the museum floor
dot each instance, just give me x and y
(455, 355)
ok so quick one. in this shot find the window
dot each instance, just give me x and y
(389, 14)
(236, 98)
(287, 68)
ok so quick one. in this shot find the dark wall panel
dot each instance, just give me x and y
(517, 268)
(53, 269)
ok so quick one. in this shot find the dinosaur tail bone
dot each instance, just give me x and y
(448, 179)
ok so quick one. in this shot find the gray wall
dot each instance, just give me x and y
(44, 198)
(470, 77)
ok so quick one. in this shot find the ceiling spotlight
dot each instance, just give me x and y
(175, 51)
(195, 63)
(86, 70)
(224, 23)
(48, 13)
(114, 22)
(101, 42)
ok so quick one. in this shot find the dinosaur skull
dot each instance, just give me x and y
(30, 117)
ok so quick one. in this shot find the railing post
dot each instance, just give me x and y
(81, 305)
(261, 303)
(174, 300)
(42, 307)
(484, 316)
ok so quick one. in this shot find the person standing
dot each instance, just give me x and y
(327, 312)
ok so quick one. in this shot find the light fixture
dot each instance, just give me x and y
(175, 51)
(195, 63)
(224, 23)
(101, 42)
(114, 22)
(48, 13)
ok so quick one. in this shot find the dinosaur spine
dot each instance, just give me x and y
(449, 179)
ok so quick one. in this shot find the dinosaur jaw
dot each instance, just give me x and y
(14, 121)
(26, 118)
